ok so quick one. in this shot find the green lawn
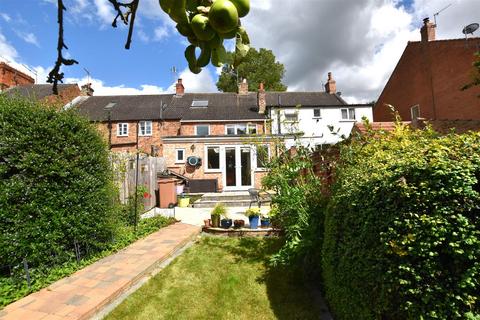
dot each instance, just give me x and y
(221, 278)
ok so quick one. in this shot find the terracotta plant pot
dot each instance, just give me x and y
(206, 222)
(239, 223)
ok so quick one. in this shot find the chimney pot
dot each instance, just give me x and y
(87, 90)
(243, 87)
(331, 85)
(179, 88)
(262, 99)
(428, 30)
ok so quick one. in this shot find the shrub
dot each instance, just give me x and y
(402, 230)
(298, 205)
(219, 210)
(56, 189)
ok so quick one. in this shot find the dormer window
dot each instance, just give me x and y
(199, 104)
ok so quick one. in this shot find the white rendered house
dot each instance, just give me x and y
(314, 118)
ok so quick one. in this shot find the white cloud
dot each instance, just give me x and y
(104, 11)
(5, 17)
(7, 51)
(143, 36)
(202, 82)
(28, 37)
(359, 41)
(161, 33)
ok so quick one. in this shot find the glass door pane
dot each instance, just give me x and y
(246, 163)
(230, 159)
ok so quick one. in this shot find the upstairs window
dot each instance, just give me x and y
(202, 130)
(240, 128)
(348, 113)
(145, 128)
(291, 116)
(122, 130)
(317, 113)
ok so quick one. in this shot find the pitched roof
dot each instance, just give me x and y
(305, 99)
(36, 91)
(221, 106)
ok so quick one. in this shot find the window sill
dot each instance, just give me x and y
(347, 120)
(122, 136)
(144, 135)
(260, 170)
(213, 171)
(179, 162)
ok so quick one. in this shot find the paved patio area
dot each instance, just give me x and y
(87, 291)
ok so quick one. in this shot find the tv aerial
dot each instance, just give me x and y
(438, 13)
(470, 29)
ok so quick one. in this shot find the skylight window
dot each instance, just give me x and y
(199, 103)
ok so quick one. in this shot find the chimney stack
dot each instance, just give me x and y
(262, 99)
(243, 87)
(179, 88)
(331, 86)
(87, 90)
(428, 30)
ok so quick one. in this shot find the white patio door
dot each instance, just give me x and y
(237, 169)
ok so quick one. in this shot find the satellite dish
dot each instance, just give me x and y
(470, 29)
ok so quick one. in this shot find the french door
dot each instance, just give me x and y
(237, 172)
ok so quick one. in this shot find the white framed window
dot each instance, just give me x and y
(291, 117)
(212, 154)
(348, 113)
(415, 112)
(262, 154)
(202, 130)
(240, 128)
(122, 129)
(251, 128)
(317, 113)
(145, 128)
(179, 155)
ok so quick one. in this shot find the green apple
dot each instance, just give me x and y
(229, 35)
(243, 7)
(201, 28)
(223, 16)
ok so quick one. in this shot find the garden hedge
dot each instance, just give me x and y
(402, 229)
(56, 187)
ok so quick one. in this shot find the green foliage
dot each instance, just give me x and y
(253, 212)
(128, 215)
(258, 66)
(298, 205)
(402, 229)
(55, 185)
(219, 210)
(14, 288)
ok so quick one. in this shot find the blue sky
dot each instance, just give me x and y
(359, 41)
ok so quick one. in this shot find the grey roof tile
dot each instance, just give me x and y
(36, 91)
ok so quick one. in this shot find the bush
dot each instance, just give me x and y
(298, 205)
(56, 190)
(402, 229)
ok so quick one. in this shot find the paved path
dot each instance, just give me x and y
(87, 291)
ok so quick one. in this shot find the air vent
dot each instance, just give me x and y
(199, 103)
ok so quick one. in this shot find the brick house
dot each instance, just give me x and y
(427, 81)
(11, 77)
(223, 130)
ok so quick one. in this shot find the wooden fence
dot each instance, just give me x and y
(124, 165)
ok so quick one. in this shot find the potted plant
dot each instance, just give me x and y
(264, 221)
(218, 211)
(226, 222)
(253, 215)
(183, 200)
(238, 223)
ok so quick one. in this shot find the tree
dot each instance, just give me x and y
(258, 66)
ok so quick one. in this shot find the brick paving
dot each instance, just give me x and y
(87, 291)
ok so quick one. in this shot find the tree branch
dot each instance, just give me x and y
(55, 75)
(131, 12)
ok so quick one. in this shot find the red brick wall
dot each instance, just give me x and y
(10, 77)
(64, 96)
(431, 75)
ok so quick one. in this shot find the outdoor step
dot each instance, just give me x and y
(228, 203)
(226, 197)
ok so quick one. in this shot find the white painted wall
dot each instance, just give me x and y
(316, 130)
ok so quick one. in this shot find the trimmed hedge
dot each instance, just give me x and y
(56, 186)
(402, 229)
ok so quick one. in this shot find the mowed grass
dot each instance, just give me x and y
(222, 278)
